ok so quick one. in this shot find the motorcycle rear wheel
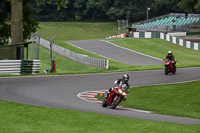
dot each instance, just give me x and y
(115, 103)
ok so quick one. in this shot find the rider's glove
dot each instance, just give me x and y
(115, 83)
(127, 91)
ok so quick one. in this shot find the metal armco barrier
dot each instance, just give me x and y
(103, 63)
(17, 67)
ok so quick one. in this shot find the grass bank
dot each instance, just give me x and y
(185, 57)
(77, 30)
(181, 99)
(81, 31)
(159, 48)
(114, 66)
(65, 65)
(154, 47)
(21, 118)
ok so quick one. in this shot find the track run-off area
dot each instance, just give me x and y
(68, 91)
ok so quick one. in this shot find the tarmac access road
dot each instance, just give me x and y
(114, 52)
(61, 91)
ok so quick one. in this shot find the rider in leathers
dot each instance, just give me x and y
(170, 56)
(121, 82)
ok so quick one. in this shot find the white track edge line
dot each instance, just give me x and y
(132, 50)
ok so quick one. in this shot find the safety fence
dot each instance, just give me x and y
(180, 42)
(167, 37)
(19, 67)
(102, 63)
(145, 34)
(35, 47)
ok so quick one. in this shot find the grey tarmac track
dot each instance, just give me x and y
(108, 50)
(61, 91)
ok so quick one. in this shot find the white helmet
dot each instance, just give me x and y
(169, 52)
(125, 78)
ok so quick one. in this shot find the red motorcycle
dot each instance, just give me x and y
(170, 66)
(115, 97)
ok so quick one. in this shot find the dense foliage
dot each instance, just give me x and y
(105, 10)
(30, 25)
(4, 21)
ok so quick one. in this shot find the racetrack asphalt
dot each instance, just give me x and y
(61, 91)
(115, 52)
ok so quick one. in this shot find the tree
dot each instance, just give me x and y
(161, 7)
(16, 21)
(4, 21)
(94, 6)
(17, 17)
(79, 6)
(190, 5)
(127, 9)
(29, 23)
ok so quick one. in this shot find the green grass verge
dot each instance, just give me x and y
(22, 118)
(159, 48)
(181, 99)
(65, 65)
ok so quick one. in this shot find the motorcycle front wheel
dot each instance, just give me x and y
(104, 103)
(166, 70)
(115, 103)
(174, 70)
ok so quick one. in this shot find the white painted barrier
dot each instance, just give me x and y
(196, 46)
(177, 34)
(13, 67)
(162, 36)
(174, 40)
(181, 42)
(36, 66)
(168, 37)
(188, 43)
(136, 35)
(10, 67)
(147, 35)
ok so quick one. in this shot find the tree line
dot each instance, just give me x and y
(104, 10)
(31, 11)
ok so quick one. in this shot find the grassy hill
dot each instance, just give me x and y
(77, 30)
(81, 31)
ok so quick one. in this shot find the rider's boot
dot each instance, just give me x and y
(109, 90)
(106, 97)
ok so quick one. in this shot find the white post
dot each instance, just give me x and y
(107, 65)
